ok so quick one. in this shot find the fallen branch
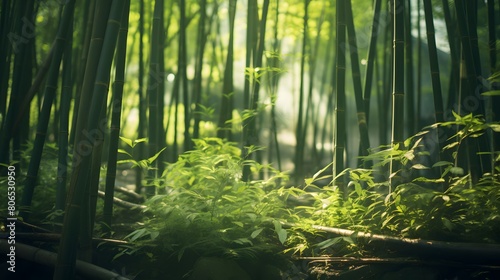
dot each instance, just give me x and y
(123, 203)
(131, 194)
(55, 237)
(473, 253)
(406, 261)
(33, 254)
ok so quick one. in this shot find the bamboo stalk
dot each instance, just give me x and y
(398, 86)
(65, 268)
(356, 79)
(340, 121)
(227, 99)
(66, 95)
(37, 255)
(300, 127)
(116, 118)
(43, 122)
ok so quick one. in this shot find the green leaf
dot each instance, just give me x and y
(127, 141)
(122, 151)
(282, 233)
(256, 232)
(329, 242)
(495, 127)
(447, 224)
(442, 163)
(491, 93)
(419, 166)
(153, 158)
(457, 170)
(451, 145)
(240, 224)
(495, 77)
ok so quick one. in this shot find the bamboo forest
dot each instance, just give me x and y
(249, 139)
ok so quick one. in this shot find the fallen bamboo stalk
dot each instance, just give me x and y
(472, 253)
(408, 261)
(37, 255)
(123, 203)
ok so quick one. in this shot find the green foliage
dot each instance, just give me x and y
(417, 208)
(205, 208)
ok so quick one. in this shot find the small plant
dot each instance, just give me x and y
(205, 209)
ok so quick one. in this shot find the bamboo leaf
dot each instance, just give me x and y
(419, 166)
(153, 158)
(256, 233)
(127, 141)
(491, 93)
(329, 242)
(441, 163)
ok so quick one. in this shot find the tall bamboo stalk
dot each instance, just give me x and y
(227, 100)
(356, 79)
(340, 104)
(49, 94)
(67, 251)
(182, 75)
(200, 52)
(433, 61)
(116, 102)
(66, 95)
(398, 85)
(5, 51)
(371, 57)
(20, 47)
(141, 129)
(153, 90)
(299, 143)
(409, 94)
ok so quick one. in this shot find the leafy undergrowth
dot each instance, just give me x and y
(204, 209)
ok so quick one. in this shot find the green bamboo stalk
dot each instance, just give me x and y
(141, 129)
(161, 161)
(419, 70)
(153, 89)
(183, 75)
(299, 145)
(66, 95)
(310, 118)
(454, 44)
(254, 128)
(256, 49)
(433, 62)
(5, 50)
(44, 117)
(386, 65)
(87, 25)
(19, 47)
(198, 78)
(273, 90)
(492, 41)
(317, 124)
(409, 95)
(372, 48)
(21, 131)
(398, 85)
(467, 27)
(340, 104)
(467, 48)
(227, 100)
(251, 42)
(356, 79)
(65, 268)
(116, 119)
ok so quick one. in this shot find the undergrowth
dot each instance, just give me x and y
(205, 208)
